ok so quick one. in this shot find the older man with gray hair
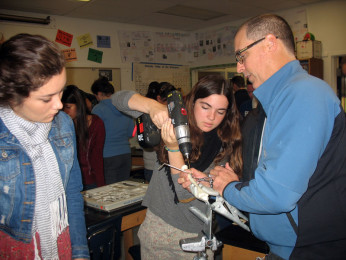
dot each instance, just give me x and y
(297, 197)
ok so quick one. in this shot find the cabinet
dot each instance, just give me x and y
(313, 66)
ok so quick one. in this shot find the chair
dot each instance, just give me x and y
(104, 240)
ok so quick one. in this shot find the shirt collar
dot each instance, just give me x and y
(267, 92)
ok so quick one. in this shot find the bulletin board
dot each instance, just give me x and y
(83, 78)
(177, 75)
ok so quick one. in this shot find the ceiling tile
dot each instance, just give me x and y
(142, 12)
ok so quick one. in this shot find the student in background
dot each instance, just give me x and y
(149, 154)
(158, 92)
(250, 90)
(250, 104)
(90, 132)
(215, 136)
(165, 88)
(41, 206)
(241, 95)
(153, 90)
(119, 129)
(90, 100)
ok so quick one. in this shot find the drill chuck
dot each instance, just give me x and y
(182, 133)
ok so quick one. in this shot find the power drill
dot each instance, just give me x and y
(149, 135)
(178, 114)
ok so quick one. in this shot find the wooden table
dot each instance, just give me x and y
(127, 224)
(137, 161)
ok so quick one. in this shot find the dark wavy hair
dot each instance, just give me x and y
(73, 95)
(27, 62)
(165, 88)
(239, 81)
(228, 130)
(153, 90)
(102, 85)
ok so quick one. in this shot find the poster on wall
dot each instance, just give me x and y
(103, 41)
(136, 46)
(64, 38)
(187, 48)
(172, 47)
(176, 48)
(215, 43)
(297, 19)
(106, 73)
(95, 55)
(70, 54)
(84, 40)
(144, 73)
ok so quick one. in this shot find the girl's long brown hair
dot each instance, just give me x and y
(228, 130)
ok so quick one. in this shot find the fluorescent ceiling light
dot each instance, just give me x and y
(191, 12)
(25, 19)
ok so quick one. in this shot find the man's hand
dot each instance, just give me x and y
(222, 177)
(184, 179)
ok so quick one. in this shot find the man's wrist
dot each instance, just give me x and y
(223, 192)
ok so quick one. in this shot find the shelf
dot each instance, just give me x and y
(313, 66)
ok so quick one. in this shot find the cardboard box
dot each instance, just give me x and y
(309, 49)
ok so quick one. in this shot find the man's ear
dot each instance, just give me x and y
(271, 42)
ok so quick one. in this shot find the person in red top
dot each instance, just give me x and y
(90, 133)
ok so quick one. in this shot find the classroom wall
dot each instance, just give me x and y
(327, 21)
(78, 27)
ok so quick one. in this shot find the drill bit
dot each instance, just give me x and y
(188, 163)
(166, 164)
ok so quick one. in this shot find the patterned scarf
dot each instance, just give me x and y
(50, 217)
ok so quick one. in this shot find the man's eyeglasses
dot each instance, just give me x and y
(240, 58)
